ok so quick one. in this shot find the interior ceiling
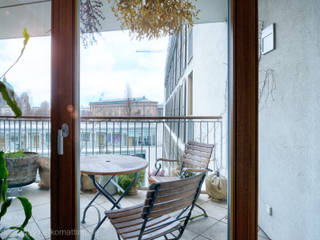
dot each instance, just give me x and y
(15, 15)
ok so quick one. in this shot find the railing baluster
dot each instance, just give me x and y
(207, 132)
(120, 135)
(113, 137)
(31, 138)
(25, 135)
(93, 137)
(214, 141)
(14, 136)
(141, 138)
(177, 154)
(87, 137)
(99, 135)
(221, 139)
(170, 152)
(106, 137)
(9, 136)
(36, 136)
(134, 138)
(49, 137)
(4, 136)
(149, 143)
(127, 137)
(156, 141)
(200, 126)
(42, 137)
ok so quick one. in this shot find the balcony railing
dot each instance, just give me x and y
(148, 137)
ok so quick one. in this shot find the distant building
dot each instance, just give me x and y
(125, 107)
(85, 112)
(6, 111)
(160, 110)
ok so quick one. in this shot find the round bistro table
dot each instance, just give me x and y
(112, 165)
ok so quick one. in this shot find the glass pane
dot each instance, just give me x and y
(288, 120)
(26, 140)
(141, 100)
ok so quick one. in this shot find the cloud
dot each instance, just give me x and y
(32, 73)
(105, 68)
(116, 60)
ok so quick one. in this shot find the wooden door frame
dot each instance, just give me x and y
(243, 76)
(243, 122)
(64, 100)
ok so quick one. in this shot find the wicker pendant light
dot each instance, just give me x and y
(154, 18)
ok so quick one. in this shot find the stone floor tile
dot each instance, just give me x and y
(35, 195)
(201, 238)
(89, 196)
(218, 231)
(201, 225)
(262, 235)
(92, 215)
(214, 210)
(189, 235)
(85, 234)
(106, 231)
(14, 218)
(44, 226)
(203, 198)
(41, 212)
(222, 204)
(34, 230)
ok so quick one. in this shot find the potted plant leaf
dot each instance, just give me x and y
(7, 232)
(125, 180)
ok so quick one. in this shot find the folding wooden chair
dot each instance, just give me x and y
(154, 218)
(196, 158)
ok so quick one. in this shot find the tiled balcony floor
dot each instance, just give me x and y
(214, 227)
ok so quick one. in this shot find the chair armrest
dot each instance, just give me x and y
(167, 160)
(194, 170)
(158, 165)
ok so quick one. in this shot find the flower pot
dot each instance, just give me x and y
(133, 191)
(44, 172)
(22, 170)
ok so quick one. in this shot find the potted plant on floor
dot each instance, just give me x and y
(9, 96)
(22, 167)
(125, 180)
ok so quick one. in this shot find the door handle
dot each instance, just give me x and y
(62, 133)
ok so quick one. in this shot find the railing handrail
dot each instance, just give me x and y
(123, 117)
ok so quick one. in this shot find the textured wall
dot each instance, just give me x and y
(210, 57)
(289, 126)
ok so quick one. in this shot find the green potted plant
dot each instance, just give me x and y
(125, 180)
(22, 167)
(7, 232)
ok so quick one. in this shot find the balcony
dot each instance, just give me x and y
(147, 137)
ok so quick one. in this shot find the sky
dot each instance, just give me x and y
(106, 68)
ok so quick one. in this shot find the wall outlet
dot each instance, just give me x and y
(269, 210)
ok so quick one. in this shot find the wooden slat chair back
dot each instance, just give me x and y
(152, 220)
(197, 155)
(196, 158)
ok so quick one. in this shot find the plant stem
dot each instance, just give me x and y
(12, 64)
